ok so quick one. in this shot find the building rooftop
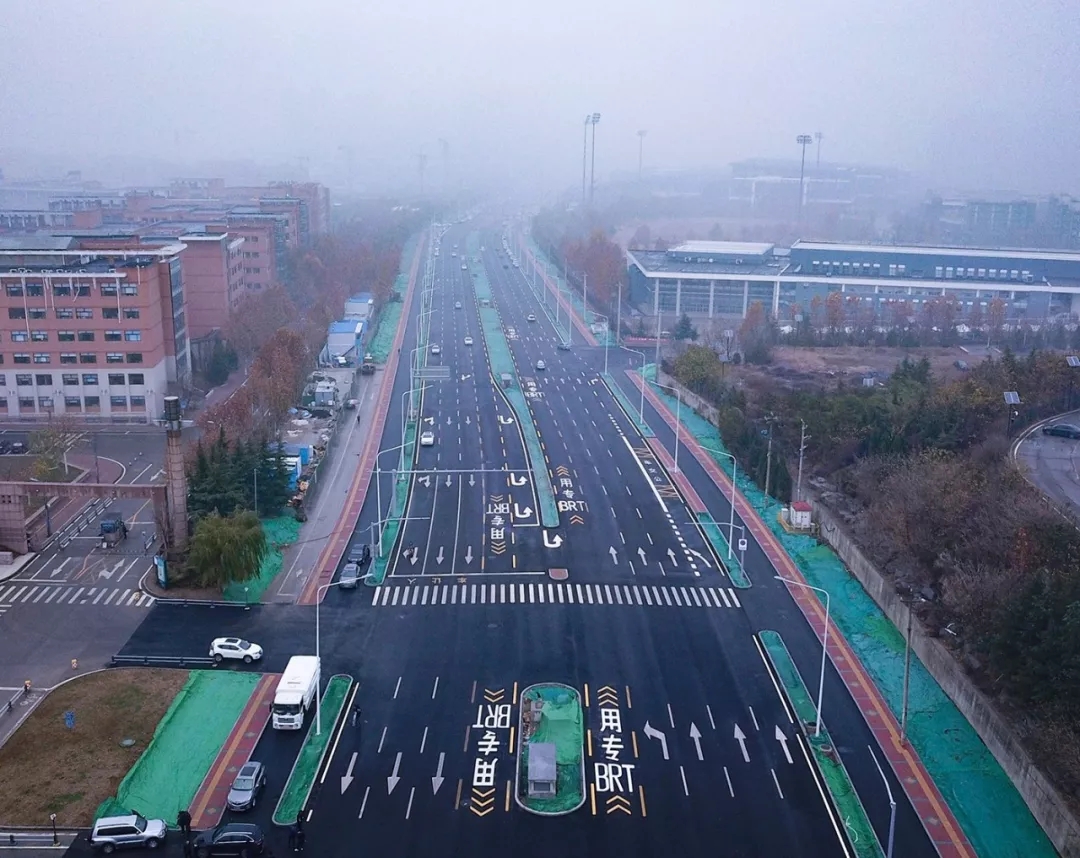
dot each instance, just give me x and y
(661, 262)
(362, 296)
(345, 327)
(927, 250)
(724, 248)
(36, 241)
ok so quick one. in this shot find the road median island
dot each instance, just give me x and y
(402, 485)
(859, 832)
(715, 533)
(551, 719)
(310, 759)
(502, 365)
(567, 297)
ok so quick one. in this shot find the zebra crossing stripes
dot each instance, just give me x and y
(51, 594)
(645, 595)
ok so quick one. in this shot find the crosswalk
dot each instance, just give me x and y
(53, 594)
(646, 595)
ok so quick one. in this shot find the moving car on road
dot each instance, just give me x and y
(468, 341)
(246, 651)
(427, 439)
(531, 317)
(122, 832)
(245, 789)
(350, 576)
(457, 305)
(231, 838)
(541, 365)
(1062, 430)
(435, 350)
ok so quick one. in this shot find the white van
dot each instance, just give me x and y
(296, 692)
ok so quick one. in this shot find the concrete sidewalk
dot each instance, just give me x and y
(937, 818)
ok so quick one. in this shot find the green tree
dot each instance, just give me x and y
(222, 362)
(684, 329)
(49, 445)
(227, 550)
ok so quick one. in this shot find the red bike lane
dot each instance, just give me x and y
(937, 819)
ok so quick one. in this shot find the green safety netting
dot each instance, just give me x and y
(562, 724)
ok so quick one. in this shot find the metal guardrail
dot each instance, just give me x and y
(18, 695)
(187, 603)
(159, 660)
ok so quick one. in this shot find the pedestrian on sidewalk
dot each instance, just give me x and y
(183, 821)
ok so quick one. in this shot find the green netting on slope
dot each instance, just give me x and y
(561, 723)
(280, 533)
(980, 794)
(386, 326)
(186, 742)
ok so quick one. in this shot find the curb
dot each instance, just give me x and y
(353, 687)
(624, 402)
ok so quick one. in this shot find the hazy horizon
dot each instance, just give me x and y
(963, 94)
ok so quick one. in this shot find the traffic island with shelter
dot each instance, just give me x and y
(551, 756)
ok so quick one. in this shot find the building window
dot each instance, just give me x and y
(72, 402)
(82, 291)
(87, 357)
(26, 402)
(129, 289)
(44, 379)
(131, 313)
(42, 357)
(19, 336)
(39, 336)
(133, 378)
(22, 357)
(116, 378)
(14, 291)
(84, 313)
(65, 336)
(45, 401)
(3, 382)
(38, 313)
(65, 313)
(118, 401)
(92, 401)
(993, 274)
(34, 290)
(70, 378)
(86, 336)
(24, 380)
(68, 357)
(138, 402)
(61, 291)
(110, 313)
(16, 313)
(113, 336)
(133, 336)
(108, 290)
(134, 357)
(89, 379)
(114, 357)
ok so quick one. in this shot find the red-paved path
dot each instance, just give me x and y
(350, 514)
(209, 803)
(938, 820)
(551, 286)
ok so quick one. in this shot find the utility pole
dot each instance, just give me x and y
(803, 140)
(640, 152)
(907, 673)
(585, 159)
(768, 455)
(817, 136)
(592, 169)
(802, 449)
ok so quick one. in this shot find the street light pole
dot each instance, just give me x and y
(640, 152)
(318, 689)
(892, 804)
(824, 642)
(803, 140)
(585, 158)
(592, 168)
(678, 420)
(731, 512)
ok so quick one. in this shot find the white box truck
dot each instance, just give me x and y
(296, 692)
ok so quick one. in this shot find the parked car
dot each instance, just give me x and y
(1062, 430)
(246, 787)
(238, 648)
(123, 832)
(350, 576)
(236, 839)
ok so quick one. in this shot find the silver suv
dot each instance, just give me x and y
(119, 832)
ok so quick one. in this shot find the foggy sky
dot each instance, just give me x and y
(963, 92)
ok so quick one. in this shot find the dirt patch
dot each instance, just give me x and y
(48, 768)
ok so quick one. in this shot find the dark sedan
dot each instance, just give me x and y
(234, 839)
(1062, 430)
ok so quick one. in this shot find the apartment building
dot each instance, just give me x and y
(92, 331)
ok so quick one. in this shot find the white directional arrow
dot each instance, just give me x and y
(426, 480)
(468, 554)
(641, 554)
(701, 557)
(430, 421)
(522, 513)
(554, 542)
(448, 420)
(472, 481)
(466, 377)
(671, 554)
(782, 739)
(467, 420)
(347, 778)
(518, 481)
(740, 737)
(108, 573)
(614, 555)
(414, 557)
(505, 421)
(695, 736)
(393, 780)
(439, 556)
(448, 481)
(653, 733)
(437, 781)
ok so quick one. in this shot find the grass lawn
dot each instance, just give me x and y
(48, 768)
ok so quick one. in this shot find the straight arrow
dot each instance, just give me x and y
(467, 420)
(472, 481)
(641, 554)
(671, 554)
(414, 557)
(439, 556)
(695, 736)
(614, 555)
(437, 781)
(653, 733)
(348, 778)
(782, 739)
(393, 780)
(468, 554)
(740, 737)
(448, 481)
